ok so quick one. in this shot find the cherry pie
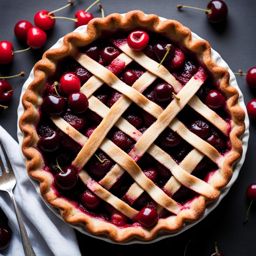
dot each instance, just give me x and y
(130, 128)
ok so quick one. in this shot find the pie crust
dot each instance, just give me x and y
(208, 191)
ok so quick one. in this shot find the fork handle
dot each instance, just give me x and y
(24, 236)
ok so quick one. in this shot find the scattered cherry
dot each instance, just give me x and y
(67, 178)
(251, 108)
(36, 38)
(147, 217)
(90, 200)
(69, 83)
(83, 16)
(138, 40)
(6, 52)
(216, 11)
(44, 20)
(251, 195)
(54, 105)
(21, 30)
(251, 77)
(78, 102)
(215, 99)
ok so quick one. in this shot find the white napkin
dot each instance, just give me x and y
(48, 234)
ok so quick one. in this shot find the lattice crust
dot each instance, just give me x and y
(144, 143)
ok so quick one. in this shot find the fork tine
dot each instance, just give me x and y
(6, 158)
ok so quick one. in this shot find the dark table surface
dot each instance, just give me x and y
(235, 42)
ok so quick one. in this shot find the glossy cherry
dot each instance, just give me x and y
(54, 105)
(147, 217)
(109, 53)
(44, 20)
(82, 17)
(21, 30)
(163, 92)
(200, 128)
(69, 83)
(6, 91)
(93, 52)
(216, 11)
(215, 99)
(160, 49)
(251, 77)
(67, 178)
(50, 140)
(5, 237)
(90, 200)
(130, 76)
(6, 52)
(169, 139)
(216, 141)
(135, 120)
(251, 109)
(251, 192)
(36, 38)
(83, 74)
(78, 102)
(138, 40)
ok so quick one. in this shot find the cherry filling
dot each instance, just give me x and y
(62, 98)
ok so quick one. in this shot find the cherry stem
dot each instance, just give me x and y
(207, 11)
(186, 248)
(58, 165)
(102, 10)
(175, 96)
(22, 73)
(90, 6)
(70, 3)
(55, 84)
(63, 18)
(101, 161)
(22, 50)
(217, 251)
(240, 73)
(248, 212)
(3, 106)
(168, 48)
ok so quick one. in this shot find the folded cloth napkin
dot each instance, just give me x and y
(48, 234)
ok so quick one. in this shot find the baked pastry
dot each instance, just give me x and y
(130, 127)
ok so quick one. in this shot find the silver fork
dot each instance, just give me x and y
(7, 184)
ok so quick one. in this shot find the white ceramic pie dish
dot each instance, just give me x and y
(217, 58)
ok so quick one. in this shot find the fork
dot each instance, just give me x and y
(7, 184)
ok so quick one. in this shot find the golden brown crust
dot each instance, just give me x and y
(32, 99)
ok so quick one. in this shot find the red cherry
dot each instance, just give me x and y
(6, 91)
(6, 52)
(90, 200)
(44, 20)
(67, 178)
(147, 217)
(251, 77)
(118, 219)
(138, 40)
(36, 37)
(5, 237)
(251, 192)
(82, 17)
(251, 108)
(69, 83)
(78, 102)
(21, 30)
(215, 99)
(178, 60)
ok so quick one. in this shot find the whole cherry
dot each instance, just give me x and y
(6, 52)
(90, 200)
(138, 40)
(215, 99)
(78, 102)
(251, 77)
(36, 38)
(21, 30)
(67, 178)
(251, 109)
(46, 19)
(251, 195)
(53, 105)
(82, 17)
(147, 217)
(216, 11)
(69, 83)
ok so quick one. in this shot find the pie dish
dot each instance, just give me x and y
(162, 132)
